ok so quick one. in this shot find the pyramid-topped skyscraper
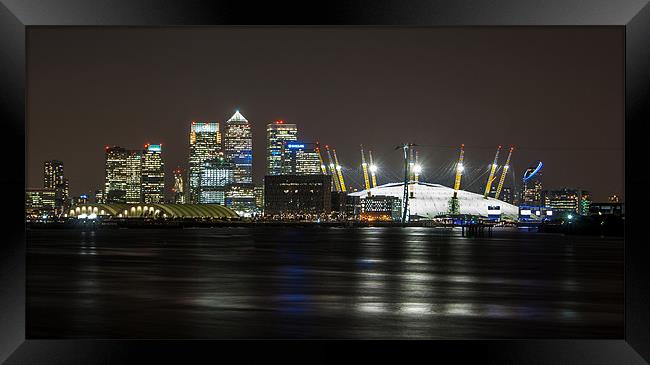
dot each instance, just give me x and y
(238, 147)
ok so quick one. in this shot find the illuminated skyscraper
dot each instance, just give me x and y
(115, 185)
(153, 174)
(300, 158)
(205, 144)
(277, 134)
(133, 176)
(179, 187)
(238, 148)
(54, 179)
(216, 175)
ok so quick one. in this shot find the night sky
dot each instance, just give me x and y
(554, 93)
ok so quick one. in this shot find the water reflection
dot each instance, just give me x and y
(332, 283)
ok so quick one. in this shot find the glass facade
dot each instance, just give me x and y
(115, 184)
(133, 176)
(205, 144)
(238, 148)
(300, 158)
(153, 174)
(179, 187)
(216, 175)
(277, 134)
(568, 201)
(54, 179)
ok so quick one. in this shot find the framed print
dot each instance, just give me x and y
(358, 180)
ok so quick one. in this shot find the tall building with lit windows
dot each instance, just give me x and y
(300, 158)
(54, 179)
(277, 134)
(238, 148)
(205, 144)
(216, 175)
(179, 187)
(115, 175)
(153, 174)
(133, 176)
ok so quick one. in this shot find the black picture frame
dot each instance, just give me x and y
(17, 15)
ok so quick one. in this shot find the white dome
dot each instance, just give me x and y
(430, 200)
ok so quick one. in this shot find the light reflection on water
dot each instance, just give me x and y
(342, 283)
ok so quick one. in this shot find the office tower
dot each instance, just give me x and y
(567, 200)
(531, 193)
(133, 176)
(300, 158)
(153, 174)
(238, 148)
(40, 203)
(179, 187)
(277, 134)
(115, 173)
(293, 195)
(258, 191)
(54, 179)
(216, 175)
(205, 144)
(241, 199)
(99, 196)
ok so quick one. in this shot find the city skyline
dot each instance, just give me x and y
(582, 147)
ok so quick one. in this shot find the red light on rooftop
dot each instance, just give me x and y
(279, 122)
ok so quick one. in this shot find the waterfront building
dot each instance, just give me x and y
(609, 208)
(133, 176)
(54, 179)
(291, 195)
(99, 196)
(40, 203)
(300, 158)
(381, 208)
(532, 193)
(216, 175)
(178, 191)
(277, 134)
(241, 199)
(115, 173)
(568, 201)
(205, 144)
(258, 191)
(238, 147)
(153, 174)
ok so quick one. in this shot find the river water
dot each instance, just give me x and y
(318, 282)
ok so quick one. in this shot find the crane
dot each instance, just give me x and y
(503, 174)
(373, 170)
(323, 168)
(338, 170)
(364, 166)
(492, 171)
(333, 169)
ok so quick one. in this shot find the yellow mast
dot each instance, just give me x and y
(333, 170)
(364, 166)
(323, 169)
(503, 174)
(459, 169)
(338, 170)
(416, 171)
(373, 170)
(492, 171)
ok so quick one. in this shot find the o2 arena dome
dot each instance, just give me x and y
(431, 200)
